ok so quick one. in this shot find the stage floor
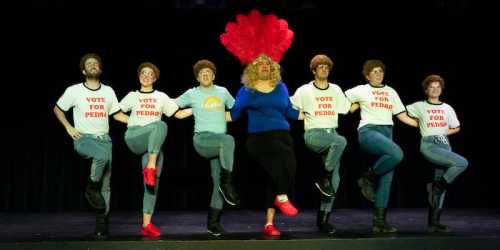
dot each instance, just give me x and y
(475, 228)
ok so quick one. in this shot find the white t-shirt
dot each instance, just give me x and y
(147, 107)
(91, 108)
(378, 104)
(321, 106)
(433, 119)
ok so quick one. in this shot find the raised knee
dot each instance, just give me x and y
(342, 142)
(463, 163)
(103, 158)
(398, 155)
(161, 125)
(228, 141)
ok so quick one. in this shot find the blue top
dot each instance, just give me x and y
(209, 107)
(266, 111)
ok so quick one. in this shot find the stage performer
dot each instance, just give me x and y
(322, 102)
(146, 133)
(92, 103)
(437, 120)
(265, 100)
(378, 103)
(209, 103)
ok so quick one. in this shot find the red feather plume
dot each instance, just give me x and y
(257, 34)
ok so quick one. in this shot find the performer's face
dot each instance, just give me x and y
(376, 76)
(322, 71)
(147, 77)
(434, 90)
(92, 68)
(264, 70)
(206, 77)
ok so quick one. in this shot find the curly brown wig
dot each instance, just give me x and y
(370, 65)
(319, 60)
(150, 65)
(201, 64)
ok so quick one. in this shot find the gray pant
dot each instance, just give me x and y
(146, 140)
(377, 140)
(99, 148)
(330, 145)
(219, 148)
(437, 150)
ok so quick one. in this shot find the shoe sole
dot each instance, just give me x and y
(321, 191)
(93, 205)
(225, 198)
(328, 233)
(383, 232)
(361, 185)
(288, 214)
(214, 234)
(436, 230)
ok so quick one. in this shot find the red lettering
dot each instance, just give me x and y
(95, 99)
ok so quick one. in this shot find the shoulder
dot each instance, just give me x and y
(220, 89)
(416, 104)
(107, 88)
(447, 106)
(390, 89)
(75, 86)
(161, 94)
(305, 87)
(131, 94)
(335, 87)
(361, 87)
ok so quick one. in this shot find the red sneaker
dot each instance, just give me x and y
(150, 230)
(149, 176)
(271, 230)
(286, 207)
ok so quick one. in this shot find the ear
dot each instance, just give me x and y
(84, 73)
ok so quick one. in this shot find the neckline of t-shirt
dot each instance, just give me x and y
(436, 104)
(377, 87)
(314, 84)
(87, 87)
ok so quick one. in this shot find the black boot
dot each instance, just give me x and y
(226, 188)
(94, 196)
(213, 222)
(324, 184)
(322, 221)
(101, 225)
(438, 188)
(433, 225)
(379, 223)
(367, 184)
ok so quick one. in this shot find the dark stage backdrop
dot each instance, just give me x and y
(43, 45)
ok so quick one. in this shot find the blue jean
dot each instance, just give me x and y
(377, 140)
(330, 145)
(146, 140)
(99, 148)
(219, 148)
(437, 150)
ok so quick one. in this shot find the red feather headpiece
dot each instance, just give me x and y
(257, 34)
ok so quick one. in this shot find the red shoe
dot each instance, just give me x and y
(271, 230)
(149, 176)
(150, 230)
(286, 207)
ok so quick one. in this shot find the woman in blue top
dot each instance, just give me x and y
(265, 100)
